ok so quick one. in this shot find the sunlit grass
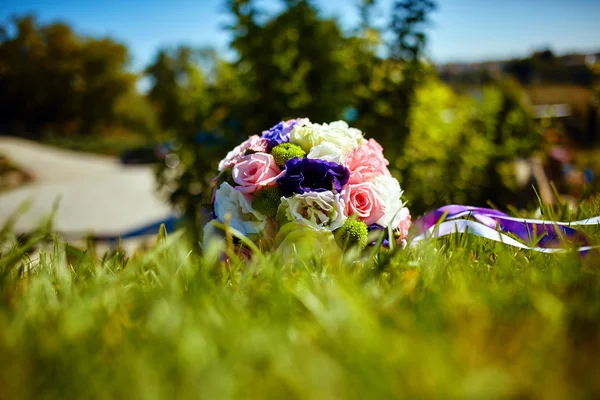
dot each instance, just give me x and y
(454, 318)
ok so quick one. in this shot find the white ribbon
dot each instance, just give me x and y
(479, 229)
(581, 222)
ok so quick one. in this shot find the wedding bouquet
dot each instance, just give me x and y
(301, 178)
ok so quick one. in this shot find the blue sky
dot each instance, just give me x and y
(462, 30)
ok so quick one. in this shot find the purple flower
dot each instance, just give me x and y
(280, 133)
(312, 175)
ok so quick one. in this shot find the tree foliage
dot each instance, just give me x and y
(388, 85)
(179, 89)
(296, 63)
(51, 77)
(461, 149)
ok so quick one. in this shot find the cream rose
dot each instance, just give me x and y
(340, 130)
(337, 134)
(319, 210)
(328, 152)
(390, 194)
(306, 136)
(341, 135)
(238, 205)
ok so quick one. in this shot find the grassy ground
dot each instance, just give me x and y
(454, 318)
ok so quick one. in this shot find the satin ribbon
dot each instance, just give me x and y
(494, 225)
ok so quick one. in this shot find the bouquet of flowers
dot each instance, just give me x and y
(302, 178)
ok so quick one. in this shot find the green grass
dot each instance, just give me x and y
(454, 318)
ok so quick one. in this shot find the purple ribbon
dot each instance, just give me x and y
(547, 233)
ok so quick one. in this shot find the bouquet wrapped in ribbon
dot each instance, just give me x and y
(303, 179)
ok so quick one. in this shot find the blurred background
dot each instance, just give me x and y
(122, 110)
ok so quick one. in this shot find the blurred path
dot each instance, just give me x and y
(97, 195)
(50, 164)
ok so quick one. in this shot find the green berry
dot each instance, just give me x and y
(266, 201)
(352, 233)
(286, 151)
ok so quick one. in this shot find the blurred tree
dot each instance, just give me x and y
(504, 116)
(102, 80)
(408, 22)
(133, 112)
(198, 97)
(367, 101)
(594, 116)
(544, 67)
(409, 18)
(51, 77)
(386, 86)
(178, 90)
(462, 150)
(292, 65)
(365, 9)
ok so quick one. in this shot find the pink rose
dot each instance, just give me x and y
(254, 143)
(255, 171)
(366, 162)
(363, 201)
(403, 227)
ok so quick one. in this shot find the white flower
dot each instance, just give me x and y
(337, 134)
(302, 121)
(243, 217)
(305, 136)
(389, 191)
(319, 210)
(354, 133)
(340, 134)
(327, 151)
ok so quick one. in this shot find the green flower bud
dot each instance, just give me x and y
(266, 201)
(352, 233)
(286, 151)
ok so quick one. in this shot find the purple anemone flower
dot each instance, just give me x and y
(312, 175)
(280, 133)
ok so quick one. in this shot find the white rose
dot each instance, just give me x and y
(341, 135)
(302, 121)
(306, 135)
(327, 151)
(337, 134)
(319, 210)
(243, 217)
(352, 132)
(390, 193)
